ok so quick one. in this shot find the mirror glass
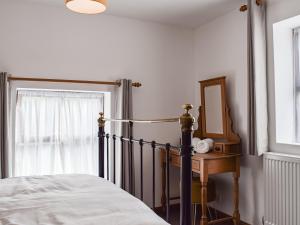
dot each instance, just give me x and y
(213, 109)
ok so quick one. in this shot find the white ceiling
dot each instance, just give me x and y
(187, 13)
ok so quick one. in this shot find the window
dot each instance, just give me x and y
(286, 41)
(296, 47)
(56, 132)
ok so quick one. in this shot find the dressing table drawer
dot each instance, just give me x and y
(176, 160)
(195, 165)
(218, 147)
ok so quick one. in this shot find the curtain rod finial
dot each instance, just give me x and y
(259, 2)
(136, 84)
(243, 8)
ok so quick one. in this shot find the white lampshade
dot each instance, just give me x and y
(87, 6)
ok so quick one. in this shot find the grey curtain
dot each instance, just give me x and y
(257, 78)
(124, 111)
(4, 140)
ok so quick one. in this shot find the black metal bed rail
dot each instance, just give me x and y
(154, 146)
(186, 121)
(147, 142)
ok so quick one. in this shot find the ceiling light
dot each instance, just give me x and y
(87, 6)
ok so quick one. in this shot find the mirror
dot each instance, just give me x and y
(213, 103)
(214, 116)
(213, 109)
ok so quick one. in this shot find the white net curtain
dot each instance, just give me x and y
(56, 132)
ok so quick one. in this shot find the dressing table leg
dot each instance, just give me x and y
(236, 176)
(203, 180)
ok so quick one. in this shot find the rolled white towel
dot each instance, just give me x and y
(195, 140)
(202, 146)
(210, 142)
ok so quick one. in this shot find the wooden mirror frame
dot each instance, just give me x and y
(228, 133)
(220, 81)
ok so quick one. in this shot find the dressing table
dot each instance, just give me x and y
(214, 122)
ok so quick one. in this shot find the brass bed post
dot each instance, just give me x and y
(186, 121)
(101, 136)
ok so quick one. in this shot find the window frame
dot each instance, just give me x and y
(296, 66)
(109, 96)
(284, 80)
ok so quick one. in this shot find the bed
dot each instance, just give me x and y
(90, 200)
(70, 200)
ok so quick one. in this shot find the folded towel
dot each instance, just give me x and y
(202, 146)
(195, 140)
(210, 142)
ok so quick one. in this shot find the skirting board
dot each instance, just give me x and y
(176, 207)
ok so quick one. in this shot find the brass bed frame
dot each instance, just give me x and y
(186, 121)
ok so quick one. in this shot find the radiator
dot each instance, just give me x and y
(282, 189)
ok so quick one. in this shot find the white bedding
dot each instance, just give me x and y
(70, 200)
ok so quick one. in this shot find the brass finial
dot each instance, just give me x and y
(259, 2)
(136, 84)
(243, 8)
(101, 120)
(187, 120)
(187, 107)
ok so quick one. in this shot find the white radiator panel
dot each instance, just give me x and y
(282, 189)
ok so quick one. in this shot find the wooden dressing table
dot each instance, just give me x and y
(224, 157)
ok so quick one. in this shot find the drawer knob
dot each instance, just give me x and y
(217, 148)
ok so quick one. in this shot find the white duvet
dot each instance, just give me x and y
(70, 200)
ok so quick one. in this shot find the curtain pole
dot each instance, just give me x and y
(244, 8)
(116, 83)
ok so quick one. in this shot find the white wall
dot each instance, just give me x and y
(221, 50)
(45, 41)
(48, 41)
(278, 11)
